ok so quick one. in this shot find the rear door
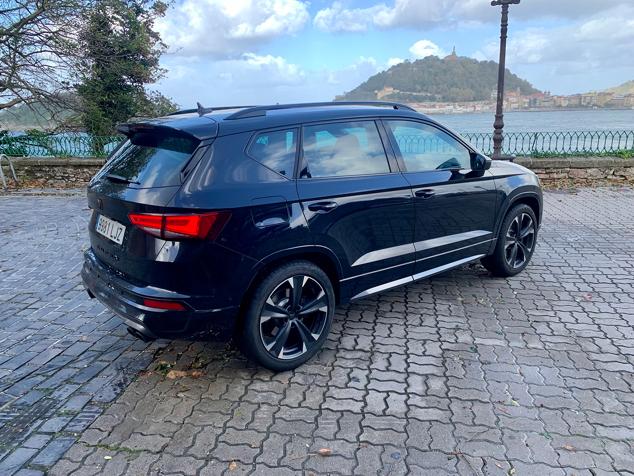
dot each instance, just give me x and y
(455, 205)
(142, 176)
(357, 203)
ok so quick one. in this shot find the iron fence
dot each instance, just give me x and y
(515, 143)
(57, 145)
(564, 143)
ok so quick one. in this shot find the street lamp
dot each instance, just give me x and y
(498, 125)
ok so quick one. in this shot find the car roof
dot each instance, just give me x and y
(204, 123)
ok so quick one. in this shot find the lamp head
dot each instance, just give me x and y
(496, 3)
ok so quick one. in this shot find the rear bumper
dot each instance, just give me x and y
(126, 300)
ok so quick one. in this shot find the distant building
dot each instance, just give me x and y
(453, 56)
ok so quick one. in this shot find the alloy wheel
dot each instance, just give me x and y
(293, 317)
(519, 241)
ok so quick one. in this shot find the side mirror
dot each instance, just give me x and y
(480, 162)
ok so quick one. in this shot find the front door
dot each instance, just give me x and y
(357, 204)
(455, 205)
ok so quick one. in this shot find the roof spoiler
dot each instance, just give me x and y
(128, 129)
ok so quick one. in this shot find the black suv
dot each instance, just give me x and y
(258, 221)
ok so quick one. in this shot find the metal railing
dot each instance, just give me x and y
(70, 144)
(564, 143)
(516, 143)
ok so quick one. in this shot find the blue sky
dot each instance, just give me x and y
(260, 51)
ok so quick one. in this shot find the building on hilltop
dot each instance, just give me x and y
(453, 56)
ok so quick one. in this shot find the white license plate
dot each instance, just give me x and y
(110, 229)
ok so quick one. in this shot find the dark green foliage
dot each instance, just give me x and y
(454, 79)
(10, 147)
(122, 53)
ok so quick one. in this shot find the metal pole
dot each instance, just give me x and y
(498, 125)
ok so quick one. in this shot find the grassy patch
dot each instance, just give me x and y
(115, 448)
(621, 154)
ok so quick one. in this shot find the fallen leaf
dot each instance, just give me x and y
(324, 452)
(107, 457)
(569, 448)
(174, 374)
(233, 466)
(499, 465)
(515, 403)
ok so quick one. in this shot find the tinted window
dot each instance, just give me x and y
(151, 159)
(345, 148)
(424, 147)
(276, 150)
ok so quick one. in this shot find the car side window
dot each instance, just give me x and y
(424, 147)
(343, 149)
(276, 150)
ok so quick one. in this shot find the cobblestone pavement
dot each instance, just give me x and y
(63, 357)
(462, 373)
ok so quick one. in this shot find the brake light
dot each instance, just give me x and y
(165, 305)
(174, 227)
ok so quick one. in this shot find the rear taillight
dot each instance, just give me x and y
(174, 227)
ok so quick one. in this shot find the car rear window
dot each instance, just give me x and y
(153, 159)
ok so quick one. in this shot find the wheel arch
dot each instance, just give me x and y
(532, 198)
(533, 202)
(318, 255)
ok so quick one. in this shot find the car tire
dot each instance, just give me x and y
(282, 328)
(515, 244)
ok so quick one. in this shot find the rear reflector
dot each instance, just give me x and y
(165, 305)
(174, 227)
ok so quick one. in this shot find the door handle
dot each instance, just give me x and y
(273, 221)
(322, 207)
(424, 193)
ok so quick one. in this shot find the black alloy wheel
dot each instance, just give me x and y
(516, 242)
(519, 240)
(289, 316)
(293, 317)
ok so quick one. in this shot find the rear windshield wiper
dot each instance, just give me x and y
(120, 179)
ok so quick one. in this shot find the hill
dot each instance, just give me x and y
(625, 88)
(35, 116)
(452, 79)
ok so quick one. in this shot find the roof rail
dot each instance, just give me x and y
(258, 111)
(206, 110)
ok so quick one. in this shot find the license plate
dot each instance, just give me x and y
(110, 229)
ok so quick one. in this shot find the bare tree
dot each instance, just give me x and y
(38, 51)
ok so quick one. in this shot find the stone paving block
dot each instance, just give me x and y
(53, 451)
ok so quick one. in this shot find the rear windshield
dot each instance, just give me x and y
(151, 159)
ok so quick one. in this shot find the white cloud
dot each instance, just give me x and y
(591, 54)
(224, 28)
(354, 74)
(532, 9)
(411, 13)
(258, 79)
(338, 18)
(394, 61)
(420, 14)
(252, 70)
(424, 48)
(604, 40)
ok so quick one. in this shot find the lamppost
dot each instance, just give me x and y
(498, 125)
